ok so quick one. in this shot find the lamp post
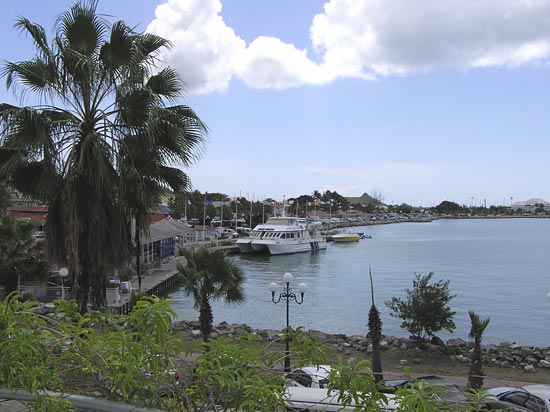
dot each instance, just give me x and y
(63, 272)
(287, 295)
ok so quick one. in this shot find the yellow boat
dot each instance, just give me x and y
(346, 237)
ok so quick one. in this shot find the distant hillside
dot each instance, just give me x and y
(363, 200)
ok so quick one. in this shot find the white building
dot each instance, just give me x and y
(531, 205)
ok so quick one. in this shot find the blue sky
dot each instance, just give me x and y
(417, 101)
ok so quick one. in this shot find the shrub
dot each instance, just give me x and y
(425, 310)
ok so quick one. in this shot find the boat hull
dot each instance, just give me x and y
(346, 238)
(286, 248)
(245, 245)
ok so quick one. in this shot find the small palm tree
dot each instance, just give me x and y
(375, 332)
(208, 276)
(475, 375)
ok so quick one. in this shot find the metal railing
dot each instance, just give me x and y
(45, 294)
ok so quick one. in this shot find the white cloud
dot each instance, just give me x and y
(270, 63)
(356, 38)
(205, 49)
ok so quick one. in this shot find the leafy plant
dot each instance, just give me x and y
(425, 310)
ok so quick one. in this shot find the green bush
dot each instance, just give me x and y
(425, 310)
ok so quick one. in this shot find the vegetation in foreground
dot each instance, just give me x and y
(128, 359)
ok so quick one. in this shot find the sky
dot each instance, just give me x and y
(417, 101)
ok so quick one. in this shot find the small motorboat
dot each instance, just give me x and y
(346, 236)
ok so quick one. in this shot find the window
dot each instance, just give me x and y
(300, 377)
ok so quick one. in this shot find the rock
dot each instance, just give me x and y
(195, 333)
(544, 363)
(529, 369)
(416, 361)
(462, 359)
(403, 362)
(456, 342)
(369, 348)
(384, 344)
(437, 341)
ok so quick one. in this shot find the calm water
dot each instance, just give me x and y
(498, 268)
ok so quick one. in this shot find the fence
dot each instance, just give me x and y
(45, 294)
(161, 289)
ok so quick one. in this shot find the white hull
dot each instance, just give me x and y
(245, 245)
(298, 247)
(346, 238)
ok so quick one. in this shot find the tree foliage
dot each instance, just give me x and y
(425, 309)
(93, 354)
(20, 254)
(104, 140)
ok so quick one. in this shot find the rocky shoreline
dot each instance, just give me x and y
(505, 354)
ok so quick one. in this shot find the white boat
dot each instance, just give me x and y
(283, 235)
(346, 236)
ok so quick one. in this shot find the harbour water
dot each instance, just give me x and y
(499, 268)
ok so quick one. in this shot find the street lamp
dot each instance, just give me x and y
(63, 272)
(287, 295)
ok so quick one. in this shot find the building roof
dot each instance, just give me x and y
(167, 228)
(531, 202)
(35, 213)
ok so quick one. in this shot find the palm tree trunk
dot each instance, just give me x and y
(375, 331)
(81, 285)
(205, 319)
(138, 253)
(475, 376)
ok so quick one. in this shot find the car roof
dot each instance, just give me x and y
(542, 391)
(308, 397)
(322, 370)
(502, 390)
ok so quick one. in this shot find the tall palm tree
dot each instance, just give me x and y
(209, 276)
(76, 150)
(475, 375)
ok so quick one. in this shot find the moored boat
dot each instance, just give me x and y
(346, 236)
(283, 235)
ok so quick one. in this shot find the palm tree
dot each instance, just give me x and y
(75, 151)
(475, 375)
(375, 333)
(209, 276)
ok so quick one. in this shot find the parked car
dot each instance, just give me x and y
(318, 399)
(453, 394)
(229, 233)
(533, 397)
(113, 282)
(309, 377)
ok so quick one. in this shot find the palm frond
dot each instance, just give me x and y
(38, 35)
(118, 51)
(166, 83)
(82, 28)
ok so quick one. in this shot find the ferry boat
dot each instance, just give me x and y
(283, 235)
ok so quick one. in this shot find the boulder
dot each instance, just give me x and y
(529, 369)
(456, 342)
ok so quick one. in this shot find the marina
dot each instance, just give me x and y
(497, 267)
